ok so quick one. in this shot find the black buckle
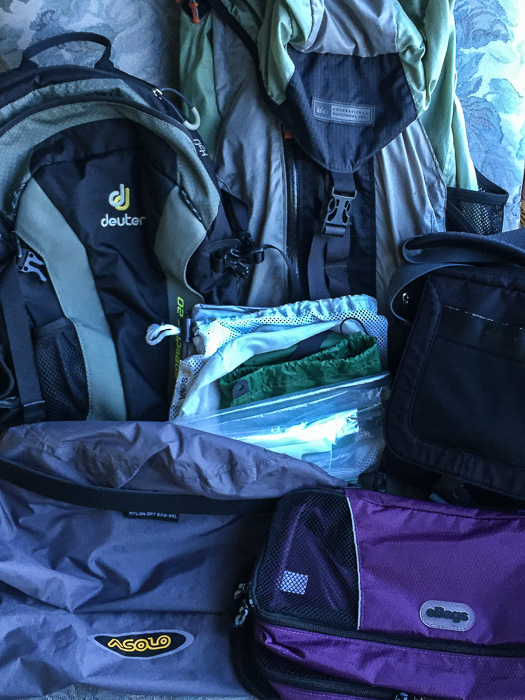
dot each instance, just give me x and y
(235, 262)
(252, 256)
(239, 260)
(337, 213)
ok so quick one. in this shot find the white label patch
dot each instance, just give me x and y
(343, 113)
(443, 615)
(293, 582)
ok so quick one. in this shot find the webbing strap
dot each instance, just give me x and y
(123, 500)
(330, 248)
(336, 264)
(236, 212)
(34, 49)
(20, 344)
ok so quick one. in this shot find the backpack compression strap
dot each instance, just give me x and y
(19, 337)
(330, 249)
(124, 500)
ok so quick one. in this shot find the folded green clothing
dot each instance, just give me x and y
(355, 356)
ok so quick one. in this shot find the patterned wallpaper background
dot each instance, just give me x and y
(491, 87)
(490, 63)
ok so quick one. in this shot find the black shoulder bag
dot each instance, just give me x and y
(455, 423)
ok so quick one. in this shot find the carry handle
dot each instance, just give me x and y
(104, 61)
(449, 247)
(434, 251)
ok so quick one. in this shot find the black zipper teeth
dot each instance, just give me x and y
(330, 686)
(336, 686)
(466, 648)
(80, 100)
(292, 206)
(93, 98)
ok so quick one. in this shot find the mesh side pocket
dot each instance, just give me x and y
(10, 411)
(309, 569)
(476, 212)
(61, 370)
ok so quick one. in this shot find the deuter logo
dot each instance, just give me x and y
(122, 220)
(120, 200)
(447, 616)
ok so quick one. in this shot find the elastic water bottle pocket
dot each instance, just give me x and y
(61, 370)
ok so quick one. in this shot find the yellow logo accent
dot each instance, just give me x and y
(120, 198)
(163, 641)
(144, 645)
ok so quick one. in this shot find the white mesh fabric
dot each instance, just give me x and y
(215, 327)
(220, 330)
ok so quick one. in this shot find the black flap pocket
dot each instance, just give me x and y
(457, 401)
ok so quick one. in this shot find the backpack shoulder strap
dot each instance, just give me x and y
(18, 333)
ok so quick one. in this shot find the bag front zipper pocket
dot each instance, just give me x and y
(287, 680)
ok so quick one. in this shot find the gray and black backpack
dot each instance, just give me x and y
(112, 222)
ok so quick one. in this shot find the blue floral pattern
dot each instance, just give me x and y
(491, 89)
(142, 32)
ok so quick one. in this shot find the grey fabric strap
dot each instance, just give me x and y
(68, 267)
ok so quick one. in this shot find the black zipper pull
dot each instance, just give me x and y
(242, 595)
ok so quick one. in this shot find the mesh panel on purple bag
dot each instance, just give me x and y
(309, 569)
